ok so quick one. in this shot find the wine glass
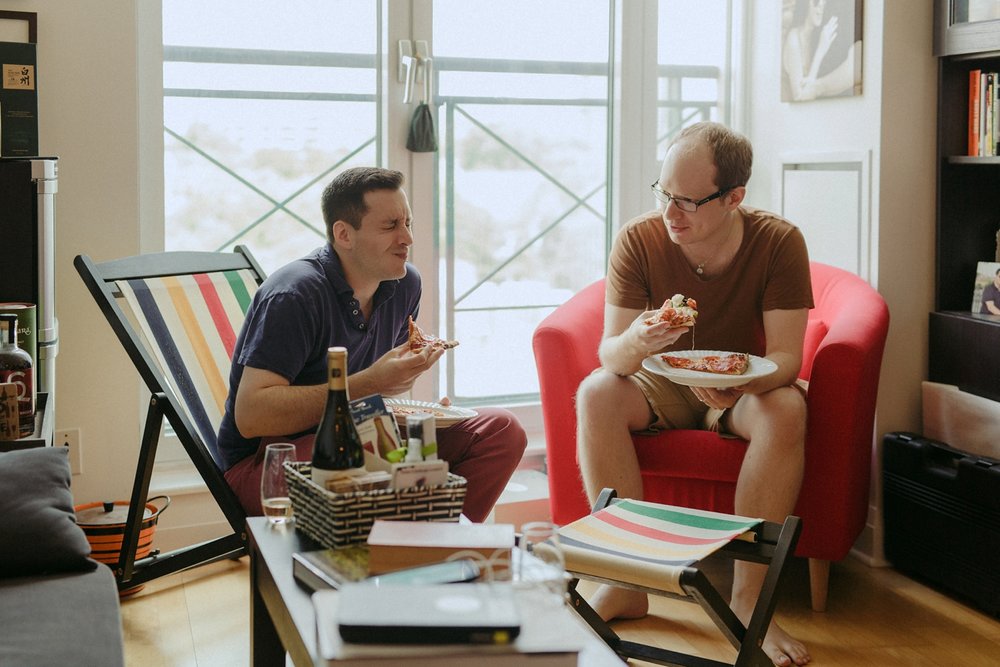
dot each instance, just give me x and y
(273, 487)
(542, 565)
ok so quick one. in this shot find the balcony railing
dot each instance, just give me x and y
(671, 84)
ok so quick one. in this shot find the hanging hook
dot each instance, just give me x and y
(428, 64)
(409, 65)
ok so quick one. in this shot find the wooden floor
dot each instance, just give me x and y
(875, 617)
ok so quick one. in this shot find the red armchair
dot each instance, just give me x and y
(842, 356)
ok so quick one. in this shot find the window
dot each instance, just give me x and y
(551, 117)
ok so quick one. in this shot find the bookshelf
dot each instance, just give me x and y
(964, 346)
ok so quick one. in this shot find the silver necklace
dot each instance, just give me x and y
(700, 269)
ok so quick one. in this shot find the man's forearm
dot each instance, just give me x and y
(281, 410)
(619, 357)
(787, 374)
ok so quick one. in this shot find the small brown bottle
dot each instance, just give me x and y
(15, 367)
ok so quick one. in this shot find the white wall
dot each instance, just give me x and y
(89, 90)
(892, 122)
(88, 117)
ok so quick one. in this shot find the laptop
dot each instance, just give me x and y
(474, 613)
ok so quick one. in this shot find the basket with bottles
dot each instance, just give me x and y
(338, 495)
(340, 519)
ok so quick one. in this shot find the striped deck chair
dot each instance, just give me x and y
(656, 548)
(177, 314)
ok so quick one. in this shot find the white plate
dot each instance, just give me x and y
(759, 367)
(444, 415)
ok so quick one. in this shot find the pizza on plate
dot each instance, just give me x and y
(419, 339)
(734, 363)
(411, 410)
(677, 311)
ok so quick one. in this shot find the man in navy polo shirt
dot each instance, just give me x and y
(357, 291)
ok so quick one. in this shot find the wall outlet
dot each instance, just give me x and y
(70, 437)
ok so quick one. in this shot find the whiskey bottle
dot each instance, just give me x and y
(15, 367)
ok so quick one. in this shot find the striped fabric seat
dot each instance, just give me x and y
(190, 324)
(647, 544)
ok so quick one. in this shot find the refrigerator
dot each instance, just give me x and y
(27, 253)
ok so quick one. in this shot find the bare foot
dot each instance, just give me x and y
(611, 602)
(783, 649)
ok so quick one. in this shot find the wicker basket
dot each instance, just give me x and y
(340, 519)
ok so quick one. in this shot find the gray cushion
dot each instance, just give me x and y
(37, 522)
(61, 620)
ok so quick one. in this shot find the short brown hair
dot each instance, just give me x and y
(731, 151)
(344, 198)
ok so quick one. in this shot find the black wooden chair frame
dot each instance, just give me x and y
(100, 279)
(774, 545)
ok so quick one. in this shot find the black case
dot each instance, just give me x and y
(942, 516)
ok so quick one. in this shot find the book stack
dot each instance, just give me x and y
(394, 545)
(984, 113)
(548, 636)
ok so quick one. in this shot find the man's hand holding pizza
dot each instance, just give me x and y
(395, 372)
(646, 339)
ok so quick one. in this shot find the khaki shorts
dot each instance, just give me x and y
(675, 406)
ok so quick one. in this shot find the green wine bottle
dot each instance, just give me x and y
(337, 451)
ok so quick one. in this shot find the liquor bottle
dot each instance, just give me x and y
(414, 439)
(15, 367)
(337, 451)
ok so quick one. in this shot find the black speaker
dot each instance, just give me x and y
(942, 516)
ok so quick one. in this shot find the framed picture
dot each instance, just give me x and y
(986, 293)
(820, 49)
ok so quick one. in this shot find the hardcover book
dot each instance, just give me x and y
(974, 111)
(330, 568)
(18, 100)
(394, 545)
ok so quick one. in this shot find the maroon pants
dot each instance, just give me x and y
(485, 450)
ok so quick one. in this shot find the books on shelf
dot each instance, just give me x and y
(394, 545)
(984, 113)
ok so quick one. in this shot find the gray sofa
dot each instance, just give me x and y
(57, 605)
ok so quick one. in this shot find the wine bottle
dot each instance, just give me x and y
(15, 367)
(337, 451)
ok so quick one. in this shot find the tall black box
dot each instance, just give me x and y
(942, 516)
(18, 100)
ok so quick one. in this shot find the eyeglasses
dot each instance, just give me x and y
(684, 204)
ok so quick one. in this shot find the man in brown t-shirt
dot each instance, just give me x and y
(748, 270)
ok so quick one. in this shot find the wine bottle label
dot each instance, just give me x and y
(10, 428)
(21, 379)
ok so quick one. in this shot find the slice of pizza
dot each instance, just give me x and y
(419, 339)
(677, 311)
(735, 363)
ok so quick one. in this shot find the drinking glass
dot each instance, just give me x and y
(273, 487)
(541, 564)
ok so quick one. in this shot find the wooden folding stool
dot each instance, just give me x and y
(642, 567)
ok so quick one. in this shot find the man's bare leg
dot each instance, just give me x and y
(768, 486)
(608, 409)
